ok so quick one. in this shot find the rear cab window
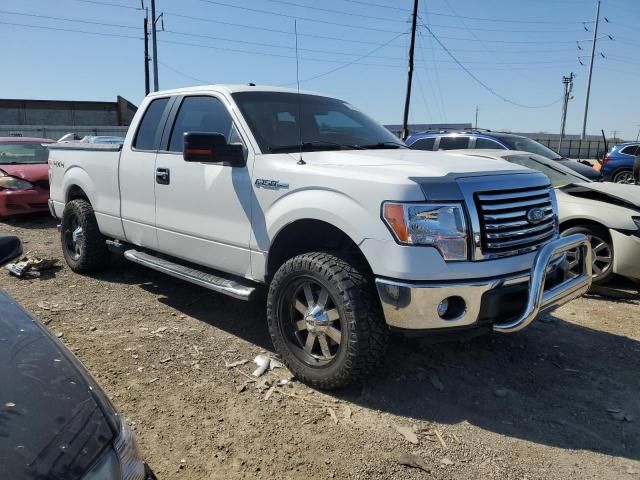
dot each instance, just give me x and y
(147, 136)
(487, 143)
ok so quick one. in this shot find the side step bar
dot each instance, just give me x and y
(206, 280)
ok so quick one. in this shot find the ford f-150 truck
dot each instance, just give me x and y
(354, 234)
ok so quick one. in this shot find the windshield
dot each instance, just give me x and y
(284, 122)
(527, 145)
(558, 174)
(22, 152)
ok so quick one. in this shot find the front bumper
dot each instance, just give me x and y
(626, 257)
(508, 303)
(17, 202)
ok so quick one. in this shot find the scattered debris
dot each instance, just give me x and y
(414, 461)
(446, 461)
(332, 414)
(347, 412)
(60, 334)
(263, 384)
(93, 328)
(407, 432)
(440, 439)
(165, 360)
(159, 330)
(435, 381)
(28, 263)
(9, 404)
(501, 392)
(269, 392)
(265, 363)
(234, 364)
(154, 380)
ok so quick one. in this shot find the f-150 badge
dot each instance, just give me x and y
(270, 184)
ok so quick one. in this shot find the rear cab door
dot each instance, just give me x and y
(137, 173)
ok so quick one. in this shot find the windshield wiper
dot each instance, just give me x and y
(382, 145)
(315, 145)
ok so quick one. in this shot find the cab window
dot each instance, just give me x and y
(150, 125)
(453, 143)
(424, 144)
(487, 143)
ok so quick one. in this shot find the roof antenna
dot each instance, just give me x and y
(295, 30)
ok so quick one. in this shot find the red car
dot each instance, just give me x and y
(24, 177)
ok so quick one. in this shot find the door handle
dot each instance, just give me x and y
(163, 176)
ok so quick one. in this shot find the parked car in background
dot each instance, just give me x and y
(24, 180)
(617, 164)
(55, 421)
(103, 139)
(609, 214)
(486, 139)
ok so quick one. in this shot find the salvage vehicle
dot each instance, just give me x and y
(607, 213)
(487, 139)
(24, 184)
(55, 421)
(230, 187)
(617, 164)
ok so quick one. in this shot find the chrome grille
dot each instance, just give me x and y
(505, 227)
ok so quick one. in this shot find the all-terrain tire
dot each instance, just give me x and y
(352, 296)
(89, 252)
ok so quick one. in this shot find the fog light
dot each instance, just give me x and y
(451, 308)
(443, 306)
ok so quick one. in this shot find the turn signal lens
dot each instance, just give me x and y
(394, 216)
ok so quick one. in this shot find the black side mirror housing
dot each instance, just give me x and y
(206, 147)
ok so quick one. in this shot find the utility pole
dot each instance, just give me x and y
(477, 116)
(593, 53)
(146, 53)
(407, 100)
(568, 87)
(154, 21)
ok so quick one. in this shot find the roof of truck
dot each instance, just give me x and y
(235, 88)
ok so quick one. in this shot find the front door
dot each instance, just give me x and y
(203, 211)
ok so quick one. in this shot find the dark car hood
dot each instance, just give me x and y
(614, 193)
(34, 172)
(52, 417)
(584, 170)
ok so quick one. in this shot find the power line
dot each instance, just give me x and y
(108, 4)
(70, 30)
(334, 11)
(308, 19)
(63, 19)
(377, 5)
(175, 70)
(510, 20)
(440, 98)
(480, 82)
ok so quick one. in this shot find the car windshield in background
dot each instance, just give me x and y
(527, 145)
(558, 174)
(287, 122)
(22, 152)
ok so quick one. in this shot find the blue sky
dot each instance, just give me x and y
(519, 49)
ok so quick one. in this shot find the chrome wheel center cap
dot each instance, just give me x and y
(317, 319)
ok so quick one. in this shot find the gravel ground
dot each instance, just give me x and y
(559, 400)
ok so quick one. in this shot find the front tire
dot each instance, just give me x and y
(601, 251)
(325, 320)
(83, 246)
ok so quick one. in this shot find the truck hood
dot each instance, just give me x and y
(616, 193)
(408, 163)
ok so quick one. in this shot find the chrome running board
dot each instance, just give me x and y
(207, 280)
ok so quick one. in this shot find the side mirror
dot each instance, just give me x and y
(207, 147)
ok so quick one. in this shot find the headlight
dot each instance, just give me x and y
(13, 183)
(442, 226)
(122, 462)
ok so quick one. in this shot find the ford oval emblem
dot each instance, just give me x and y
(535, 215)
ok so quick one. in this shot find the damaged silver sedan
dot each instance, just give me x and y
(608, 213)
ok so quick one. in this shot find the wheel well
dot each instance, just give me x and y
(75, 192)
(579, 222)
(308, 235)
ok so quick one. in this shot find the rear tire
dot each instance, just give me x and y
(83, 246)
(602, 252)
(624, 176)
(325, 320)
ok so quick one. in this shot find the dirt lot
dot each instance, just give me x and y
(559, 400)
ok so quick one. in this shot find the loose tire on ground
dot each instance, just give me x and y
(602, 251)
(86, 251)
(318, 295)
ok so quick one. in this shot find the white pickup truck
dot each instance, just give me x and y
(354, 234)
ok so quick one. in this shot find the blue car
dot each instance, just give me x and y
(617, 165)
(486, 139)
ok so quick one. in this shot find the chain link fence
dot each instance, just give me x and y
(576, 148)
